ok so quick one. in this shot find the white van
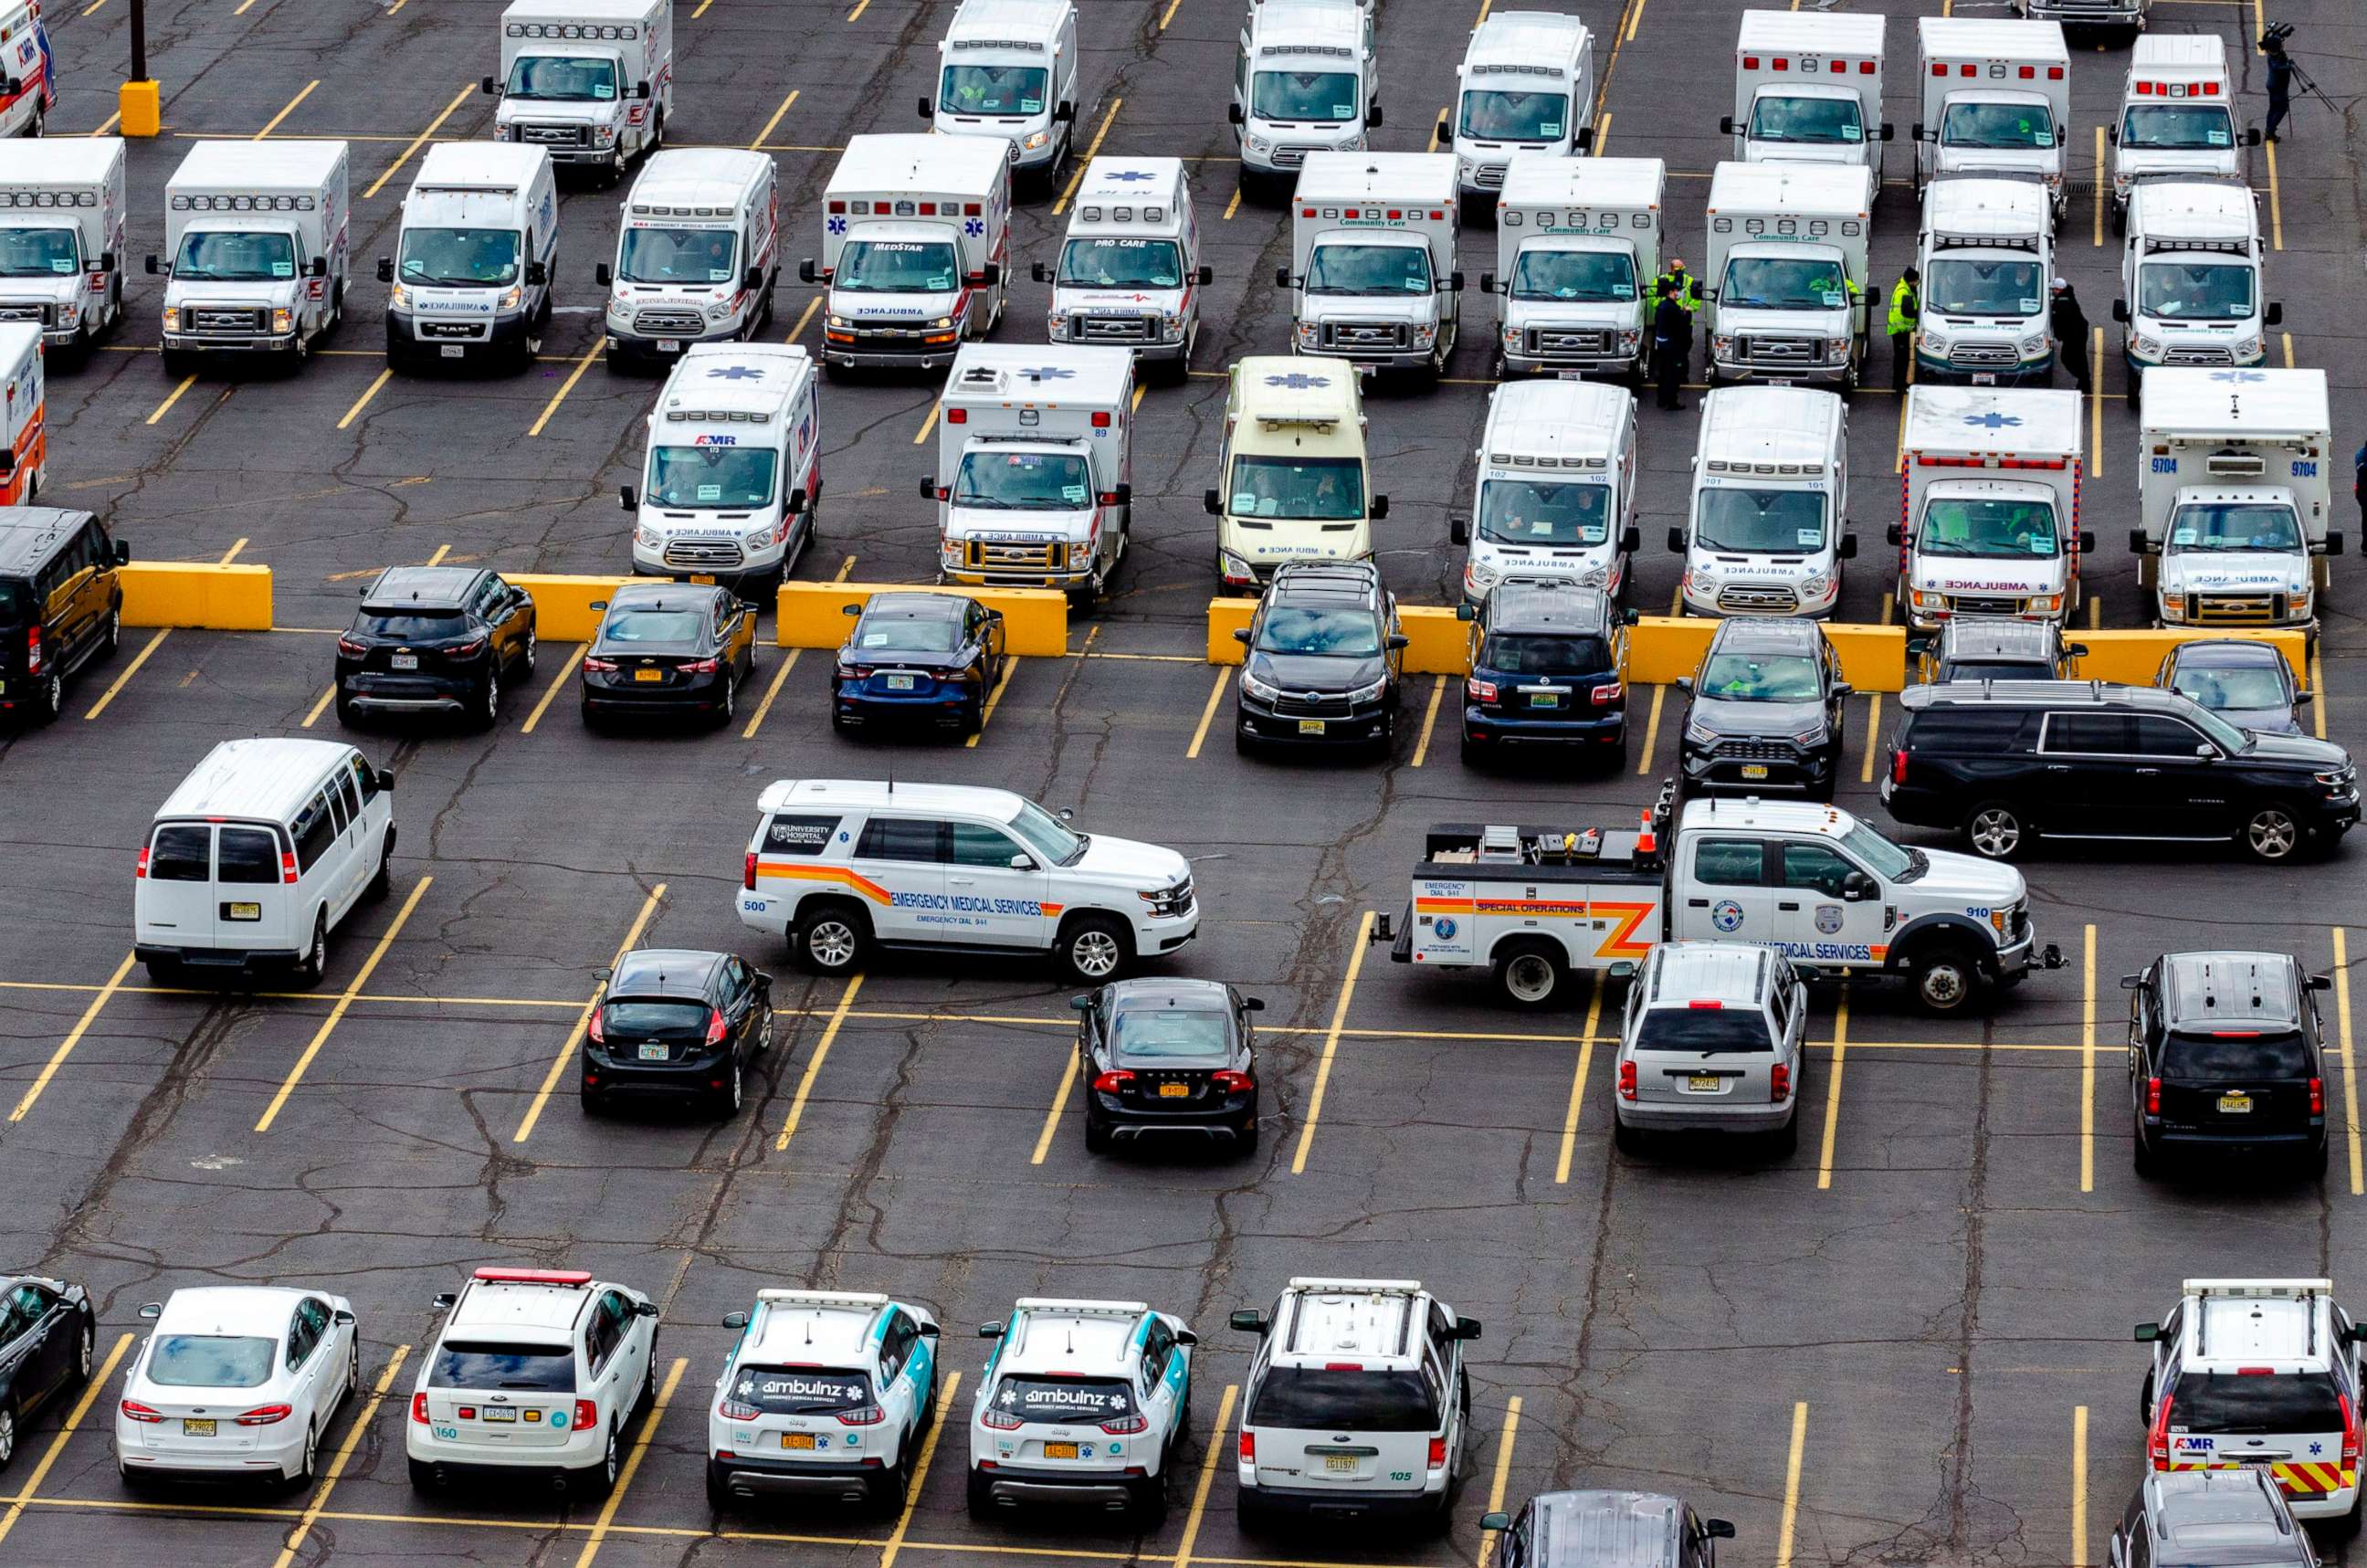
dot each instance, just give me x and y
(1305, 80)
(1008, 69)
(734, 466)
(1130, 272)
(697, 253)
(1294, 481)
(1769, 505)
(2178, 115)
(2191, 288)
(1985, 252)
(263, 849)
(1556, 489)
(473, 269)
(28, 68)
(62, 236)
(1527, 85)
(592, 81)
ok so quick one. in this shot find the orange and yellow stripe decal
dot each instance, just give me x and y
(1621, 944)
(32, 446)
(2295, 1478)
(788, 871)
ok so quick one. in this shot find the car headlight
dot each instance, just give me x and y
(1721, 344)
(949, 551)
(1257, 144)
(1699, 733)
(720, 310)
(1836, 348)
(1627, 341)
(1254, 688)
(941, 323)
(2173, 606)
(1306, 332)
(512, 297)
(398, 297)
(1034, 139)
(2249, 348)
(2032, 347)
(2339, 778)
(759, 536)
(172, 318)
(1369, 693)
(1594, 577)
(605, 134)
(2042, 604)
(283, 319)
(1701, 582)
(1352, 145)
(840, 321)
(648, 539)
(1935, 342)
(1424, 335)
(1812, 736)
(1478, 576)
(2145, 347)
(1056, 321)
(1817, 589)
(1927, 598)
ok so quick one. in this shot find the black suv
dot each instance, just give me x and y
(2204, 1518)
(678, 1023)
(1325, 653)
(2010, 761)
(1993, 647)
(435, 639)
(61, 605)
(1763, 716)
(1545, 658)
(2225, 1051)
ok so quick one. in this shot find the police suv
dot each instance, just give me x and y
(826, 1394)
(1082, 1404)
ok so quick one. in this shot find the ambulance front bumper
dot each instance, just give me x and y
(215, 343)
(470, 335)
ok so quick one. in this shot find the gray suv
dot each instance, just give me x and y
(1606, 1529)
(2201, 1518)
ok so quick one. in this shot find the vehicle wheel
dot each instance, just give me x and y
(1824, 792)
(1151, 1501)
(114, 639)
(7, 1436)
(2120, 218)
(1995, 831)
(719, 1496)
(1946, 978)
(1246, 1143)
(1097, 1138)
(49, 700)
(597, 1480)
(1474, 752)
(890, 1487)
(82, 1355)
(1440, 1519)
(348, 714)
(832, 938)
(981, 1502)
(525, 658)
(1626, 1139)
(2345, 1527)
(1093, 949)
(489, 704)
(589, 1100)
(2147, 1165)
(179, 362)
(2314, 1163)
(1531, 973)
(163, 972)
(2272, 833)
(1244, 744)
(422, 1477)
(764, 1040)
(730, 700)
(973, 719)
(353, 1371)
(1786, 1140)
(729, 1101)
(2145, 1401)
(647, 1399)
(314, 966)
(1251, 1514)
(302, 1474)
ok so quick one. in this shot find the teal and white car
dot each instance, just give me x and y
(1083, 1405)
(827, 1394)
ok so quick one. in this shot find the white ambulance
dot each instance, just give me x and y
(697, 255)
(1372, 269)
(1996, 99)
(1987, 254)
(473, 267)
(1556, 489)
(2193, 290)
(1305, 80)
(1807, 89)
(1988, 504)
(1527, 85)
(1129, 271)
(24, 415)
(2178, 115)
(62, 236)
(917, 237)
(1295, 484)
(1007, 70)
(1766, 531)
(1577, 244)
(256, 235)
(590, 82)
(28, 84)
(732, 477)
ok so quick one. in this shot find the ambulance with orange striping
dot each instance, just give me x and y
(24, 424)
(1534, 906)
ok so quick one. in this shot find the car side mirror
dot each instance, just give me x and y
(645, 1309)
(2137, 541)
(2075, 649)
(1211, 502)
(1631, 617)
(1726, 125)
(2276, 313)
(122, 553)
(2321, 983)
(1464, 611)
(806, 273)
(850, 609)
(1399, 641)
(1233, 113)
(991, 274)
(2144, 1332)
(630, 497)
(1445, 131)
(1039, 272)
(1458, 530)
(1466, 1328)
(1205, 276)
(1282, 277)
(2303, 699)
(1677, 539)
(1857, 887)
(443, 1303)
(384, 778)
(487, 84)
(1499, 1520)
(1063, 114)
(1186, 1336)
(1082, 1003)
(1241, 635)
(1892, 534)
(1849, 547)
(1023, 863)
(641, 91)
(2251, 137)
(1684, 684)
(2121, 311)
(1631, 539)
(925, 107)
(1380, 509)
(1889, 132)
(154, 267)
(990, 1331)
(386, 269)
(797, 500)
(538, 273)
(2205, 751)
(930, 1331)
(320, 267)
(1248, 1321)
(1717, 1529)
(1255, 1004)
(1842, 688)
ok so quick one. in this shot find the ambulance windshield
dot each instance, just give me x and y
(1368, 269)
(2191, 292)
(39, 253)
(545, 78)
(711, 477)
(2195, 127)
(1592, 276)
(1829, 121)
(895, 267)
(1023, 482)
(1783, 283)
(459, 258)
(1534, 512)
(1989, 529)
(653, 255)
(1122, 263)
(234, 257)
(2234, 526)
(993, 89)
(1491, 116)
(1998, 126)
(1305, 94)
(1297, 489)
(1985, 287)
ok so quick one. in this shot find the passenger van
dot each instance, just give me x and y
(61, 605)
(1305, 80)
(697, 255)
(261, 851)
(473, 269)
(1295, 484)
(1008, 69)
(1556, 488)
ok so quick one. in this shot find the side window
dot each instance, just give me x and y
(799, 835)
(352, 796)
(901, 838)
(1815, 867)
(2088, 734)
(181, 852)
(1438, 1328)
(302, 1336)
(336, 800)
(891, 1349)
(976, 844)
(599, 1337)
(250, 857)
(364, 780)
(13, 1322)
(488, 593)
(2159, 735)
(1730, 862)
(1158, 1347)
(315, 830)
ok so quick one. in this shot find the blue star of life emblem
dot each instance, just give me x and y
(1993, 421)
(1050, 372)
(2238, 376)
(837, 226)
(1131, 175)
(735, 373)
(1298, 381)
(974, 228)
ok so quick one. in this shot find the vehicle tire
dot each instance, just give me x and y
(302, 1474)
(589, 1100)
(646, 1399)
(353, 1371)
(1786, 1140)
(1245, 1144)
(1628, 1140)
(1440, 1519)
(731, 701)
(597, 1480)
(164, 971)
(1475, 752)
(2347, 1526)
(1823, 793)
(765, 1040)
(833, 936)
(525, 655)
(487, 712)
(2148, 1165)
(2120, 218)
(2145, 1401)
(113, 641)
(422, 1477)
(1945, 977)
(1151, 1501)
(890, 1487)
(348, 714)
(728, 1099)
(7, 1436)
(2272, 833)
(1995, 831)
(1095, 949)
(1250, 1515)
(1531, 973)
(1244, 744)
(973, 719)
(1097, 1138)
(719, 1496)
(2314, 1163)
(49, 700)
(381, 881)
(981, 1502)
(179, 362)
(313, 967)
(83, 1354)
(39, 124)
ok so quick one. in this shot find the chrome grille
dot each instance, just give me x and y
(1368, 337)
(1773, 596)
(555, 135)
(2227, 609)
(1110, 329)
(1489, 177)
(1973, 604)
(1575, 342)
(1756, 750)
(40, 314)
(668, 323)
(1983, 355)
(218, 320)
(1030, 555)
(2199, 357)
(1780, 350)
(1291, 157)
(702, 554)
(454, 330)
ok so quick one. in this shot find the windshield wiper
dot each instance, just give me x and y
(1083, 839)
(1916, 864)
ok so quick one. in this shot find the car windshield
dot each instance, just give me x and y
(1122, 263)
(2200, 128)
(895, 267)
(654, 1018)
(675, 627)
(1304, 95)
(1825, 120)
(799, 1391)
(1332, 633)
(212, 1361)
(1172, 1034)
(1998, 126)
(459, 258)
(1989, 529)
(1541, 653)
(411, 625)
(39, 253)
(1539, 512)
(2265, 1402)
(1515, 117)
(1879, 854)
(909, 634)
(1956, 288)
(1322, 1399)
(1046, 835)
(1975, 669)
(1760, 522)
(1337, 268)
(233, 256)
(1583, 276)
(993, 89)
(1759, 678)
(730, 478)
(1705, 1029)
(1023, 482)
(558, 78)
(1783, 283)
(677, 255)
(2231, 687)
(2214, 291)
(1299, 489)
(535, 1368)
(2231, 526)
(1063, 1399)
(2238, 1054)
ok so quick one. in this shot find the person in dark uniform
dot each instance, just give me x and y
(1672, 345)
(2358, 485)
(2071, 324)
(2280, 72)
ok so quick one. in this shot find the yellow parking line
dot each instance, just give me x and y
(1429, 721)
(1234, 205)
(769, 124)
(1634, 21)
(584, 1017)
(861, 6)
(703, 5)
(2289, 354)
(558, 679)
(1092, 152)
(74, 1038)
(2079, 1486)
(1825, 1163)
(284, 113)
(1503, 1471)
(345, 1000)
(2350, 1064)
(1208, 1459)
(91, 1390)
(327, 696)
(2088, 1061)
(171, 398)
(363, 402)
(94, 5)
(110, 122)
(926, 425)
(565, 387)
(1873, 736)
(994, 698)
(2276, 199)
(1052, 1116)
(813, 1068)
(2317, 685)
(1169, 15)
(1883, 619)
(2095, 611)
(129, 671)
(1216, 695)
(1651, 731)
(1578, 1083)
(344, 1456)
(803, 316)
(781, 676)
(1791, 1519)
(632, 1462)
(1601, 132)
(1331, 1042)
(2101, 186)
(421, 140)
(2095, 400)
(920, 1467)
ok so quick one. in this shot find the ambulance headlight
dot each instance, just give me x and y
(1036, 139)
(940, 324)
(1817, 589)
(1057, 322)
(1172, 322)
(759, 536)
(172, 318)
(511, 296)
(648, 539)
(1479, 577)
(71, 310)
(720, 310)
(283, 320)
(1837, 349)
(1306, 332)
(1424, 335)
(2248, 349)
(2173, 606)
(1594, 577)
(2042, 604)
(1257, 145)
(398, 297)
(1721, 344)
(1934, 341)
(1627, 340)
(949, 553)
(2032, 347)
(841, 323)
(2145, 347)
(604, 134)
(619, 311)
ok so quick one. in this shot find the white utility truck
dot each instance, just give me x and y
(1787, 292)
(1807, 89)
(916, 237)
(255, 239)
(1577, 244)
(1989, 519)
(1372, 259)
(591, 82)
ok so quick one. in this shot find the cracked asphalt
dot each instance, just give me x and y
(1928, 1293)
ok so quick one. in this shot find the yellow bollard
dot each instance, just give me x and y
(142, 104)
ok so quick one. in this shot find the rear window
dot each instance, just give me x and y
(798, 834)
(1064, 1400)
(536, 1368)
(800, 1391)
(1530, 653)
(2238, 1057)
(1974, 669)
(212, 1361)
(654, 1017)
(1701, 1029)
(16, 603)
(248, 854)
(2271, 1403)
(1172, 1034)
(410, 626)
(182, 854)
(1345, 1401)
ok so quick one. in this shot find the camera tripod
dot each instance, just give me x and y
(2306, 85)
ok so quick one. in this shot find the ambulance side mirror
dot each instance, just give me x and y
(602, 274)
(1373, 114)
(2144, 1332)
(1849, 547)
(1445, 131)
(2113, 134)
(1487, 283)
(2086, 541)
(386, 269)
(1464, 611)
(1211, 502)
(2276, 313)
(628, 497)
(1455, 281)
(2251, 137)
(927, 108)
(806, 271)
(2121, 311)
(2333, 544)
(797, 500)
(122, 553)
(1207, 275)
(2137, 541)
(641, 90)
(106, 261)
(1038, 270)
(1380, 509)
(320, 267)
(928, 488)
(487, 84)
(991, 274)
(1726, 125)
(1233, 113)
(1677, 539)
(1894, 535)
(1889, 132)
(1247, 1321)
(752, 280)
(1586, 138)
(1631, 539)
(1062, 114)
(1458, 530)
(152, 267)
(538, 273)
(1914, 132)
(1282, 277)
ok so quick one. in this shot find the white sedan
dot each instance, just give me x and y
(236, 1379)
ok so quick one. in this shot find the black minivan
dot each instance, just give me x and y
(61, 605)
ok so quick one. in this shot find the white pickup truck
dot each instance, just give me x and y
(1535, 905)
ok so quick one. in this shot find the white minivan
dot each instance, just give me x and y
(258, 855)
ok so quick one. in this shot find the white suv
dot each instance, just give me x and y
(1358, 1406)
(1712, 1042)
(826, 1394)
(536, 1371)
(1083, 1405)
(2260, 1373)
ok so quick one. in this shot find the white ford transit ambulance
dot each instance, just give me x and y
(733, 475)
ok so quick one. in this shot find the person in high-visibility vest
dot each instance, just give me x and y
(1906, 305)
(1687, 286)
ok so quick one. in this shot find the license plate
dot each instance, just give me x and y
(705, 577)
(797, 1439)
(1983, 379)
(2235, 1105)
(1780, 381)
(499, 1413)
(194, 1426)
(1544, 700)
(899, 683)
(1174, 1091)
(654, 1052)
(649, 674)
(1060, 1450)
(1701, 1082)
(1310, 726)
(246, 912)
(669, 345)
(1340, 1464)
(454, 350)
(1754, 770)
(403, 661)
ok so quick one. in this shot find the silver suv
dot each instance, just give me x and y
(1712, 1042)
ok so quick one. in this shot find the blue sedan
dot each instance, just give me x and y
(918, 658)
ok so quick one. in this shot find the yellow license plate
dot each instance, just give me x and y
(1340, 1464)
(649, 674)
(702, 578)
(1174, 1091)
(1701, 1082)
(1060, 1450)
(192, 1426)
(246, 912)
(797, 1439)
(1754, 770)
(1310, 726)
(2235, 1105)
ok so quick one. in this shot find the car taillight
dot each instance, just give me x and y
(700, 667)
(1124, 1424)
(2317, 1096)
(1779, 1084)
(1480, 690)
(1232, 1083)
(288, 873)
(1898, 765)
(748, 876)
(1113, 1083)
(1249, 1448)
(2349, 1431)
(596, 1029)
(351, 649)
(263, 1415)
(418, 1408)
(862, 1415)
(733, 1410)
(135, 1410)
(141, 870)
(468, 650)
(1437, 1453)
(857, 672)
(998, 1421)
(715, 1026)
(2152, 1097)
(1606, 694)
(586, 1414)
(33, 650)
(598, 666)
(1626, 1080)
(2157, 1441)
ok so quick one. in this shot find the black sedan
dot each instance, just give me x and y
(1166, 1058)
(1763, 716)
(435, 639)
(678, 1023)
(46, 1330)
(670, 649)
(917, 658)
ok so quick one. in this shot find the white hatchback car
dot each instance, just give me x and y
(1713, 1040)
(236, 1381)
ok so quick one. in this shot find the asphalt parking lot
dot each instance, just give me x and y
(1908, 1343)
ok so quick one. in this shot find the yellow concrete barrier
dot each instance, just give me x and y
(1874, 658)
(563, 604)
(1225, 617)
(198, 594)
(813, 615)
(1660, 648)
(2134, 657)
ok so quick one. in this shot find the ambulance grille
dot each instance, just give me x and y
(702, 554)
(668, 323)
